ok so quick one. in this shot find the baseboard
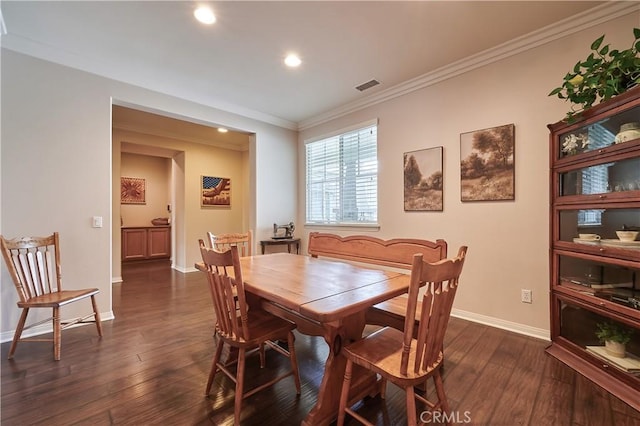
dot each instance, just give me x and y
(185, 270)
(7, 336)
(116, 280)
(538, 333)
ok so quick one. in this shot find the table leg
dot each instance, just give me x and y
(336, 334)
(262, 247)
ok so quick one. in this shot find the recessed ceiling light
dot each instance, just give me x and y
(222, 130)
(292, 60)
(205, 15)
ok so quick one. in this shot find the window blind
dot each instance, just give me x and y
(342, 178)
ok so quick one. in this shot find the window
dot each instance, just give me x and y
(342, 178)
(595, 178)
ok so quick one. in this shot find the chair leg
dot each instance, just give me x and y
(294, 361)
(383, 388)
(214, 366)
(411, 406)
(96, 315)
(262, 359)
(239, 387)
(18, 332)
(442, 397)
(344, 394)
(57, 334)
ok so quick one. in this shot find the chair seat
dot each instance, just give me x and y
(381, 352)
(57, 299)
(262, 326)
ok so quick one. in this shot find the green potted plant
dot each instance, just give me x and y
(604, 74)
(615, 336)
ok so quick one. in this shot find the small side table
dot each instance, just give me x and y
(288, 242)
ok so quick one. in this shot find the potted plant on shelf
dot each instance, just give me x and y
(615, 337)
(604, 74)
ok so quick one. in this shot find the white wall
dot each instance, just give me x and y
(57, 168)
(507, 240)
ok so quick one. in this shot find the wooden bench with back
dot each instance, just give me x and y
(394, 253)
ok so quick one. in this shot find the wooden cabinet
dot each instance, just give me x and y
(144, 243)
(595, 276)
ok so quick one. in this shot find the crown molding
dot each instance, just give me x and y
(579, 22)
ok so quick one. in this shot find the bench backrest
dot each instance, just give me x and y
(397, 253)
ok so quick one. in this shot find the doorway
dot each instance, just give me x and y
(159, 139)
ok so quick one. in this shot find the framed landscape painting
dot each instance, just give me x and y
(423, 186)
(215, 191)
(487, 164)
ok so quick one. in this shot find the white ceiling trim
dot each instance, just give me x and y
(532, 40)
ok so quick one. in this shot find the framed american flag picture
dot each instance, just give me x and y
(215, 191)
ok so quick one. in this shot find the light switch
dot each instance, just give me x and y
(97, 221)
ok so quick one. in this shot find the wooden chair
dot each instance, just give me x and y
(398, 357)
(242, 240)
(242, 329)
(34, 266)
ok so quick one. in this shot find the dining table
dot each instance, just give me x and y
(324, 298)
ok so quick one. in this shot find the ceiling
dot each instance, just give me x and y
(236, 64)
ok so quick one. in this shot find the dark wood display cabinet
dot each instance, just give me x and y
(595, 275)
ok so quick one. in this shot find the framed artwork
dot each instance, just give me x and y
(487, 164)
(423, 180)
(215, 191)
(132, 190)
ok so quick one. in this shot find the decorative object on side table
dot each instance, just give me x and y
(604, 74)
(160, 221)
(283, 232)
(615, 337)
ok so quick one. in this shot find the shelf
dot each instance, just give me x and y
(595, 189)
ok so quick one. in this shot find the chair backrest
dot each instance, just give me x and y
(224, 275)
(396, 253)
(34, 264)
(222, 242)
(441, 280)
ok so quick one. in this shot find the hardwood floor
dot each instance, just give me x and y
(151, 367)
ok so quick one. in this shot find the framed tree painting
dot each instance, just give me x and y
(132, 190)
(423, 186)
(487, 164)
(215, 191)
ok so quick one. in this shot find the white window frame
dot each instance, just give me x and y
(329, 221)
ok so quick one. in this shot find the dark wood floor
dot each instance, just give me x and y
(152, 363)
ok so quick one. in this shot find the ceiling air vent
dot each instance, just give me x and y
(369, 84)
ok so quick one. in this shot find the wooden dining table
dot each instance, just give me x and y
(324, 298)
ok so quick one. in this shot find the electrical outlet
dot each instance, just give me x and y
(97, 221)
(525, 296)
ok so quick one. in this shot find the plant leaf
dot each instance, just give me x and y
(636, 33)
(596, 44)
(604, 50)
(555, 91)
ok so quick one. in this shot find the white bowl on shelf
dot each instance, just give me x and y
(627, 235)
